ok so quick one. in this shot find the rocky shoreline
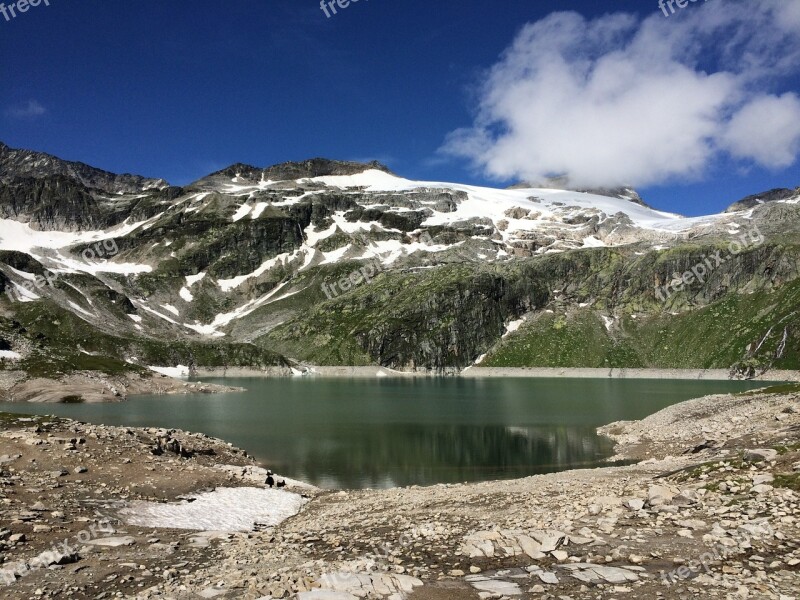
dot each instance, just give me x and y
(712, 509)
(94, 387)
(479, 372)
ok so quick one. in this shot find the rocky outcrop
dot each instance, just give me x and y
(763, 198)
(26, 163)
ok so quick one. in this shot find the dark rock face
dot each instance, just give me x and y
(26, 163)
(57, 202)
(319, 167)
(757, 199)
(288, 171)
(51, 202)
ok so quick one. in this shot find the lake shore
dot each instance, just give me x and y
(712, 509)
(95, 387)
(487, 372)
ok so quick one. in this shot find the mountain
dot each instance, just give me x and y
(38, 165)
(288, 171)
(342, 263)
(777, 194)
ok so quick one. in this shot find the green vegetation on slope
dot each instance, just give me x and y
(711, 337)
(61, 342)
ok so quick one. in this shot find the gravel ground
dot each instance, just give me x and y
(712, 510)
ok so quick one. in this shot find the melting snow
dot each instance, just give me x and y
(335, 255)
(186, 294)
(260, 206)
(226, 285)
(192, 279)
(156, 313)
(243, 211)
(24, 294)
(374, 179)
(179, 371)
(224, 509)
(10, 354)
(204, 329)
(592, 242)
(24, 274)
(19, 236)
(513, 326)
(171, 309)
(79, 309)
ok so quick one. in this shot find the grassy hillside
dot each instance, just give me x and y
(715, 336)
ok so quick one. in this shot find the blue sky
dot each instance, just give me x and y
(179, 89)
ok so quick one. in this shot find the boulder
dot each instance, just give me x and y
(660, 494)
(760, 455)
(634, 504)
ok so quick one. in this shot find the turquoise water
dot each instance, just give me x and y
(356, 433)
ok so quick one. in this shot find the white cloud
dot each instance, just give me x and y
(766, 131)
(27, 110)
(618, 100)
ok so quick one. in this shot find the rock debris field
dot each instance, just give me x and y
(710, 509)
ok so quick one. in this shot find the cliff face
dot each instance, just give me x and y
(341, 263)
(26, 163)
(447, 319)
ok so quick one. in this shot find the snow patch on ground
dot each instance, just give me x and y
(243, 211)
(179, 371)
(209, 330)
(259, 208)
(513, 326)
(224, 509)
(186, 294)
(72, 265)
(24, 294)
(226, 285)
(79, 309)
(592, 242)
(156, 313)
(24, 274)
(10, 354)
(192, 279)
(172, 309)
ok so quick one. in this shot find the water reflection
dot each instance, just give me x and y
(341, 433)
(410, 454)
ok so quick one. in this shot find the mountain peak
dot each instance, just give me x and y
(15, 163)
(292, 170)
(762, 198)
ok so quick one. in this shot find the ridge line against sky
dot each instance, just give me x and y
(696, 110)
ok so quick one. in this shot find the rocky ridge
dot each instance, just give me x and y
(337, 263)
